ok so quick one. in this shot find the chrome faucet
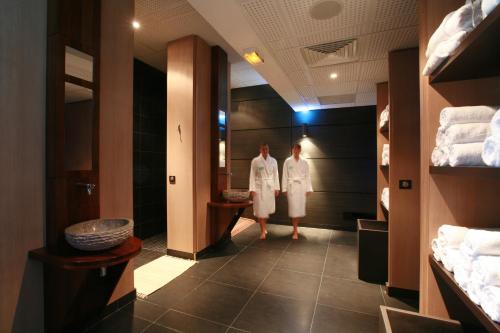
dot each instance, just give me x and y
(88, 187)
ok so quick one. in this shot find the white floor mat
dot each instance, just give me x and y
(154, 275)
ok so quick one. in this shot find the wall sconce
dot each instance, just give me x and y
(252, 56)
(304, 130)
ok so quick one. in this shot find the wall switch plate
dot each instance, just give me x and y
(405, 184)
(171, 179)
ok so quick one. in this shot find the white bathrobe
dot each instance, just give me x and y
(296, 182)
(264, 180)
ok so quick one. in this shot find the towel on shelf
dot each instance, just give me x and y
(495, 124)
(436, 249)
(459, 20)
(466, 114)
(486, 270)
(451, 235)
(385, 154)
(491, 151)
(466, 154)
(450, 257)
(385, 197)
(475, 290)
(444, 50)
(440, 134)
(384, 117)
(462, 275)
(481, 243)
(490, 302)
(464, 133)
(487, 6)
(440, 156)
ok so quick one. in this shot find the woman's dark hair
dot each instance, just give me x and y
(297, 145)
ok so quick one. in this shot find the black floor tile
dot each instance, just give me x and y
(340, 237)
(342, 261)
(278, 237)
(145, 257)
(327, 319)
(306, 263)
(159, 329)
(270, 313)
(314, 236)
(207, 265)
(120, 321)
(247, 236)
(144, 310)
(304, 247)
(174, 291)
(351, 295)
(215, 302)
(291, 284)
(189, 324)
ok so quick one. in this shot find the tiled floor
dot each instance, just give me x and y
(276, 285)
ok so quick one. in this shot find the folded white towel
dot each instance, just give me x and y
(475, 290)
(456, 21)
(444, 50)
(466, 154)
(384, 117)
(487, 6)
(385, 154)
(436, 249)
(441, 131)
(466, 114)
(440, 156)
(449, 257)
(465, 133)
(495, 124)
(491, 151)
(490, 302)
(385, 197)
(481, 243)
(462, 276)
(486, 270)
(451, 235)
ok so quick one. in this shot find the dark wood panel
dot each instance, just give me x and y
(261, 113)
(245, 144)
(263, 91)
(353, 140)
(343, 175)
(353, 115)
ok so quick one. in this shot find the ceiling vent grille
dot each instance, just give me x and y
(337, 99)
(332, 53)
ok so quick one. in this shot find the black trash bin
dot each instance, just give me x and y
(372, 250)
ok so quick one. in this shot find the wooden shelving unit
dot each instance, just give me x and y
(477, 56)
(463, 196)
(447, 278)
(382, 138)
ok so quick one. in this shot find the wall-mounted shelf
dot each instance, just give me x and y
(384, 167)
(384, 208)
(447, 277)
(477, 56)
(478, 171)
(71, 259)
(384, 129)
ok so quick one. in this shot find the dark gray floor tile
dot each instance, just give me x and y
(159, 329)
(327, 319)
(342, 261)
(120, 321)
(215, 302)
(351, 295)
(270, 313)
(189, 324)
(304, 247)
(207, 265)
(340, 237)
(307, 263)
(247, 236)
(401, 303)
(144, 310)
(174, 291)
(146, 256)
(314, 235)
(291, 284)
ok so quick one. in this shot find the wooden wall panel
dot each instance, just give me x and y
(343, 116)
(245, 144)
(404, 164)
(22, 152)
(116, 117)
(464, 200)
(252, 114)
(382, 138)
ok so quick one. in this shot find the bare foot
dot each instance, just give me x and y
(295, 236)
(263, 235)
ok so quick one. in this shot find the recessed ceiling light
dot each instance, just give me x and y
(252, 56)
(325, 9)
(333, 76)
(136, 24)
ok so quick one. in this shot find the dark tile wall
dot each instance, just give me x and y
(340, 148)
(149, 150)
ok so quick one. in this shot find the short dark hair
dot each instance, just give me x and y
(263, 144)
(297, 145)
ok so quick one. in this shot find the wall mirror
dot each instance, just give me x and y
(222, 139)
(78, 109)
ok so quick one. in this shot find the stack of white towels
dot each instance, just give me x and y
(384, 117)
(385, 198)
(453, 30)
(385, 154)
(491, 146)
(461, 134)
(473, 256)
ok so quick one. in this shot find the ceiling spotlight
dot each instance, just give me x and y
(252, 57)
(333, 76)
(135, 24)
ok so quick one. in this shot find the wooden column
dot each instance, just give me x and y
(382, 138)
(188, 145)
(404, 166)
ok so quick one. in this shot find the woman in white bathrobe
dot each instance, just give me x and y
(297, 186)
(264, 186)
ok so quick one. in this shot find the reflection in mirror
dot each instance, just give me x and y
(222, 146)
(222, 118)
(79, 64)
